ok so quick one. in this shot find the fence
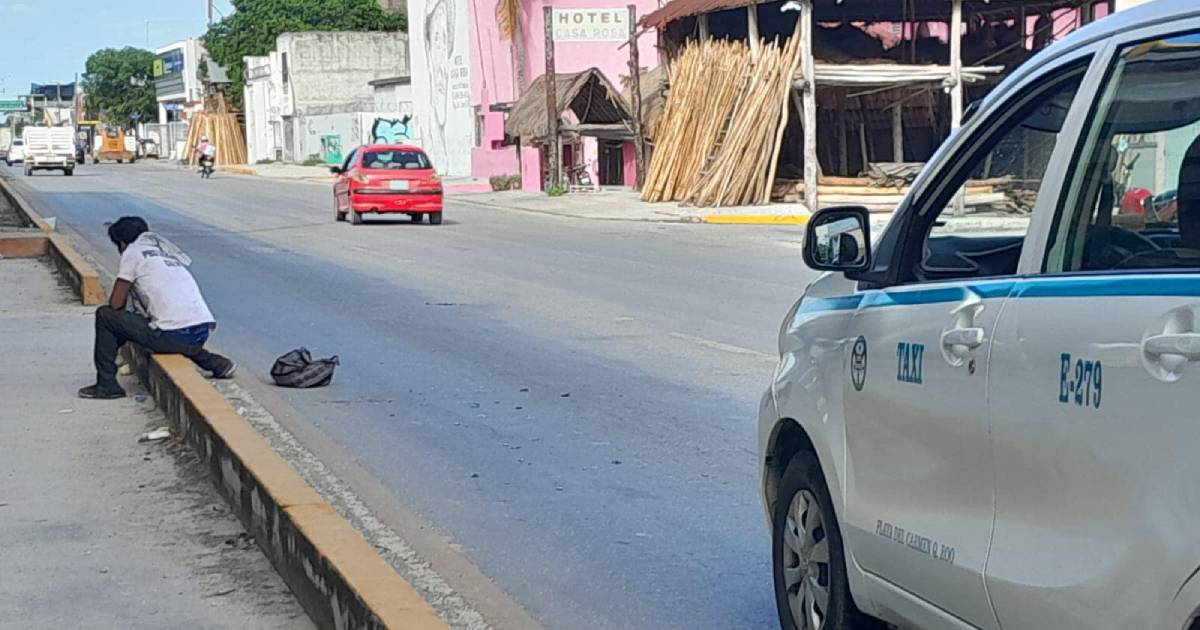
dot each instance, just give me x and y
(169, 138)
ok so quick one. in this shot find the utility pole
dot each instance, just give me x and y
(209, 3)
(550, 82)
(635, 76)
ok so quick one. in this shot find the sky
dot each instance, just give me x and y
(44, 41)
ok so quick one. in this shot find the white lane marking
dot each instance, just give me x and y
(722, 347)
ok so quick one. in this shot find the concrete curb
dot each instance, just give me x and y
(756, 219)
(237, 169)
(68, 261)
(23, 244)
(338, 578)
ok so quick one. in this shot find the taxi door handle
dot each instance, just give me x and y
(957, 344)
(1179, 346)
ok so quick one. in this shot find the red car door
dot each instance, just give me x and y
(341, 188)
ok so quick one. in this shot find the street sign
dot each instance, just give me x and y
(13, 106)
(591, 25)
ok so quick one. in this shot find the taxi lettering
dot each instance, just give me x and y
(910, 358)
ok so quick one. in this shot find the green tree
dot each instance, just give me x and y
(251, 30)
(120, 85)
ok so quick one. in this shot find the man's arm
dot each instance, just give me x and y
(120, 294)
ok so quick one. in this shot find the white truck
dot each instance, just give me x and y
(49, 149)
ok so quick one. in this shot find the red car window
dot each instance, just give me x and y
(394, 160)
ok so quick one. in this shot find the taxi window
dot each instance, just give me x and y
(1133, 200)
(998, 181)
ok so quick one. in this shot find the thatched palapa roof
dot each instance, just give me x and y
(588, 104)
(654, 97)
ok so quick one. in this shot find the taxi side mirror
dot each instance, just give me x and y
(839, 239)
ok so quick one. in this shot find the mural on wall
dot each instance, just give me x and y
(444, 127)
(391, 130)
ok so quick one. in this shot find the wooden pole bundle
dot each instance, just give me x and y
(722, 129)
(705, 82)
(221, 128)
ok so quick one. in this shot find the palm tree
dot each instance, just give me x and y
(508, 16)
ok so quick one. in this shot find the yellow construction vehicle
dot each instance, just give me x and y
(114, 146)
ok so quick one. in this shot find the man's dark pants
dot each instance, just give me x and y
(114, 328)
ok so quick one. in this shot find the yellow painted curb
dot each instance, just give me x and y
(87, 281)
(342, 555)
(756, 219)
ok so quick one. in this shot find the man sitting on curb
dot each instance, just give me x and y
(179, 320)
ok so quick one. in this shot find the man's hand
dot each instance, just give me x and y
(120, 294)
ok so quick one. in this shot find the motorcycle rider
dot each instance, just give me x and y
(208, 155)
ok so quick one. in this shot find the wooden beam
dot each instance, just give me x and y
(752, 28)
(551, 85)
(635, 75)
(843, 131)
(956, 88)
(702, 21)
(898, 133)
(809, 113)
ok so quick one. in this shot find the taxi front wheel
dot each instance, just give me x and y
(811, 591)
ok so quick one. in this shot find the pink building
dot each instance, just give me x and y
(496, 80)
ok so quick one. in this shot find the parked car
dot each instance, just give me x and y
(16, 152)
(383, 179)
(997, 430)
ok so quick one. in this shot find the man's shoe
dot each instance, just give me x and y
(225, 370)
(102, 392)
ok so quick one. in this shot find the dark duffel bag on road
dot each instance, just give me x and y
(298, 369)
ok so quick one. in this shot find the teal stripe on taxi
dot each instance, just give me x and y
(1027, 288)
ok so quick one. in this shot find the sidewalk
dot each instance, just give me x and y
(102, 531)
(300, 172)
(625, 205)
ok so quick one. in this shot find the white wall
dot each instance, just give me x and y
(262, 107)
(330, 73)
(441, 82)
(327, 90)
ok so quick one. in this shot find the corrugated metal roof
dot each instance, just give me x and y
(860, 10)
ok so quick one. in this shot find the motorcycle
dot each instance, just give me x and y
(206, 167)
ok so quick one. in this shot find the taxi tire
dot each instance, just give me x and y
(804, 473)
(355, 217)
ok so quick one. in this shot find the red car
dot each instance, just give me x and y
(387, 178)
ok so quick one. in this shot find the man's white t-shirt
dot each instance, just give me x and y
(170, 293)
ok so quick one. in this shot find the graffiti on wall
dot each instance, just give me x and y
(391, 130)
(443, 117)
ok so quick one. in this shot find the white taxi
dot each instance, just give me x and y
(1002, 430)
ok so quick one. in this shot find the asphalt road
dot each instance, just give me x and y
(572, 401)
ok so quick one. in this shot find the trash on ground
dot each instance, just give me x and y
(66, 411)
(161, 433)
(298, 369)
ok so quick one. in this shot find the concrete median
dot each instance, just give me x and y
(335, 574)
(79, 273)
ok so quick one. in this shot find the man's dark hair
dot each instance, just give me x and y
(127, 230)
